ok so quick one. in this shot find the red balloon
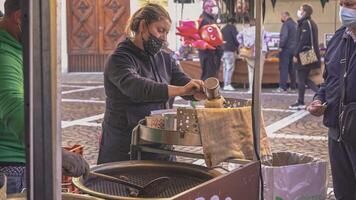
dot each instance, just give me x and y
(201, 44)
(208, 37)
(211, 34)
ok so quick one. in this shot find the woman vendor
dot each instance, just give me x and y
(139, 77)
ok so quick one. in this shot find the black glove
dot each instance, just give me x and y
(74, 165)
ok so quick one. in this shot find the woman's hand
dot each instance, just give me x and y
(316, 108)
(295, 59)
(193, 87)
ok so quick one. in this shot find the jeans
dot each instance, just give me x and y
(16, 178)
(251, 67)
(229, 66)
(343, 169)
(286, 67)
(303, 79)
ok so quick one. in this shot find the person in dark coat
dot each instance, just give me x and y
(210, 60)
(229, 32)
(341, 51)
(139, 77)
(304, 43)
(287, 44)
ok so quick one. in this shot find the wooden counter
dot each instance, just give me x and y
(240, 76)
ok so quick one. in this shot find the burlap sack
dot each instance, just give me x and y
(227, 133)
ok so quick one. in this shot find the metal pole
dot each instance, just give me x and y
(257, 76)
(43, 145)
(257, 80)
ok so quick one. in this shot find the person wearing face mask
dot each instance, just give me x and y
(247, 39)
(138, 78)
(306, 29)
(210, 60)
(12, 129)
(287, 46)
(340, 57)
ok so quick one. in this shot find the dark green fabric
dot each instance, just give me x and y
(11, 100)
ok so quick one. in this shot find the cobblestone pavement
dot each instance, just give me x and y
(83, 105)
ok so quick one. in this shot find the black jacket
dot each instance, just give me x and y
(330, 90)
(229, 33)
(218, 52)
(206, 19)
(135, 84)
(304, 40)
(288, 36)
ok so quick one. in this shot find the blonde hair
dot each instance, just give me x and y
(150, 13)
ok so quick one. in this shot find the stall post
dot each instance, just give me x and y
(257, 80)
(41, 100)
(256, 97)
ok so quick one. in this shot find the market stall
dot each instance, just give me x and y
(43, 140)
(240, 76)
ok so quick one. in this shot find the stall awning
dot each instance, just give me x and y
(323, 2)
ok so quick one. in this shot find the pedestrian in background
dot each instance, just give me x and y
(307, 38)
(210, 60)
(230, 47)
(334, 98)
(246, 39)
(287, 44)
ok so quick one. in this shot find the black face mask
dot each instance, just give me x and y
(152, 45)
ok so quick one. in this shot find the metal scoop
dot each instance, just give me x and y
(151, 189)
(211, 88)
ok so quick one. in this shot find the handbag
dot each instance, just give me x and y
(347, 117)
(309, 56)
(246, 52)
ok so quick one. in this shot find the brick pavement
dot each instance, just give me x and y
(78, 106)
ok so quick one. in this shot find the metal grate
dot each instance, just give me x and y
(187, 120)
(177, 184)
(86, 62)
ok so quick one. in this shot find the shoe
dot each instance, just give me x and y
(292, 90)
(280, 90)
(249, 92)
(228, 88)
(297, 106)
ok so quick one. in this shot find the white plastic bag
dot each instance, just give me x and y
(293, 176)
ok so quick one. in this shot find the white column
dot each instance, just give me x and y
(2, 6)
(62, 36)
